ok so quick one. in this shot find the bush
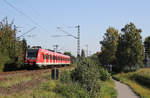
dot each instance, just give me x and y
(87, 75)
(65, 77)
(72, 90)
(104, 75)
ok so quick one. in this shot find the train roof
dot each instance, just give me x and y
(56, 53)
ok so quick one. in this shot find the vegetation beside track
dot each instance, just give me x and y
(12, 49)
(59, 89)
(18, 79)
(95, 84)
(139, 81)
(12, 86)
(66, 87)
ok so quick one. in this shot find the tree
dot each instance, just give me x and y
(109, 47)
(21, 47)
(147, 51)
(7, 42)
(95, 58)
(87, 74)
(147, 46)
(11, 48)
(82, 54)
(130, 52)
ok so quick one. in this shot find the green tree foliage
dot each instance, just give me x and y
(95, 58)
(130, 51)
(73, 59)
(104, 74)
(10, 48)
(147, 46)
(109, 47)
(87, 74)
(21, 47)
(82, 54)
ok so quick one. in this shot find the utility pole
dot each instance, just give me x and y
(76, 37)
(78, 43)
(55, 48)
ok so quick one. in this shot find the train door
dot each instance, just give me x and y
(49, 58)
(44, 58)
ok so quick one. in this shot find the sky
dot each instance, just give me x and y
(93, 16)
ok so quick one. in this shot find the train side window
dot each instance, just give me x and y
(55, 57)
(46, 57)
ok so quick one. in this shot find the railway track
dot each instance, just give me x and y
(5, 75)
(36, 77)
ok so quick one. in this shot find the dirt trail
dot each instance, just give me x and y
(124, 91)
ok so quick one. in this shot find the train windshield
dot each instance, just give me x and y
(32, 53)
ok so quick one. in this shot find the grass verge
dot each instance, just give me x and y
(108, 89)
(138, 81)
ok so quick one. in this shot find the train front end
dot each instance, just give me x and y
(31, 57)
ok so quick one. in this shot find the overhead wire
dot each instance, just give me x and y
(26, 32)
(25, 15)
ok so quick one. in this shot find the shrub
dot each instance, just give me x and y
(72, 90)
(104, 75)
(87, 75)
(65, 76)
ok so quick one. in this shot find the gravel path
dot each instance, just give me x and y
(124, 91)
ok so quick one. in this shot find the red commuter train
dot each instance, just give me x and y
(37, 57)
